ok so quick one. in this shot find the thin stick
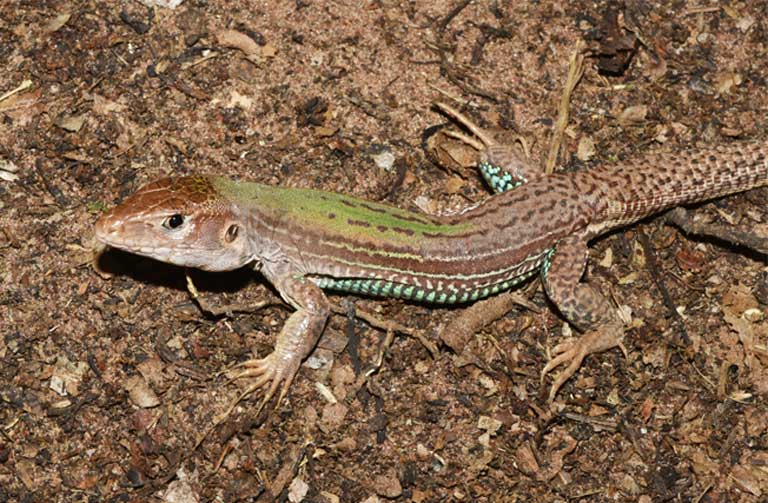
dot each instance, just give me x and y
(575, 72)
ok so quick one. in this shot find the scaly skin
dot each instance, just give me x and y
(305, 240)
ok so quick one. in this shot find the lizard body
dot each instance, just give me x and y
(305, 240)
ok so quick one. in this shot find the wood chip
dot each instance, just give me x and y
(140, 393)
(633, 116)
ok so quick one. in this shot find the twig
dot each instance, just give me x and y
(596, 422)
(458, 331)
(653, 269)
(23, 86)
(443, 23)
(227, 309)
(575, 72)
(683, 219)
(394, 326)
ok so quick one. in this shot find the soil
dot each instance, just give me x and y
(110, 373)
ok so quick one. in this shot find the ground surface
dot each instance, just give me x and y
(108, 380)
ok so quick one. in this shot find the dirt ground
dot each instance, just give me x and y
(110, 375)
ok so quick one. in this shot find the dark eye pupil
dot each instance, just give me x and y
(175, 221)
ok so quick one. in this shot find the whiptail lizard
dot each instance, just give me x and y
(304, 241)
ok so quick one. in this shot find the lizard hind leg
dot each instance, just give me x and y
(582, 305)
(503, 166)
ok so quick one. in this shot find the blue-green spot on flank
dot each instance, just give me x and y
(498, 180)
(547, 263)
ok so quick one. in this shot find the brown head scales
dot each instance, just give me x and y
(179, 220)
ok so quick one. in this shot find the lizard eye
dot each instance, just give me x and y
(173, 222)
(232, 232)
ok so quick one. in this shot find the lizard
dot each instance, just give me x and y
(305, 241)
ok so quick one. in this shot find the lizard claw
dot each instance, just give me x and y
(573, 352)
(271, 372)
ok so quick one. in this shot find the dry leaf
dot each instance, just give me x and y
(607, 260)
(689, 260)
(182, 490)
(244, 43)
(140, 393)
(104, 106)
(388, 485)
(71, 123)
(453, 185)
(168, 4)
(526, 460)
(725, 82)
(67, 376)
(746, 480)
(489, 424)
(23, 107)
(56, 23)
(269, 51)
(8, 171)
(633, 115)
(586, 149)
(297, 490)
(237, 40)
(333, 416)
(738, 299)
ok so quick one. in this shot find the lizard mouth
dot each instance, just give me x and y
(108, 232)
(138, 249)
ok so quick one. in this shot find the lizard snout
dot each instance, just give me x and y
(107, 228)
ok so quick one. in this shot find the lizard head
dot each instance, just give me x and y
(183, 221)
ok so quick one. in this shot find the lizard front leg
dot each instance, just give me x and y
(582, 305)
(295, 341)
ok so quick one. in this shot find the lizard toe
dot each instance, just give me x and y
(572, 353)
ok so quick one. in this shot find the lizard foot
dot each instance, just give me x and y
(271, 372)
(573, 352)
(270, 369)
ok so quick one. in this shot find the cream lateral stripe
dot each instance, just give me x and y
(532, 261)
(372, 251)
